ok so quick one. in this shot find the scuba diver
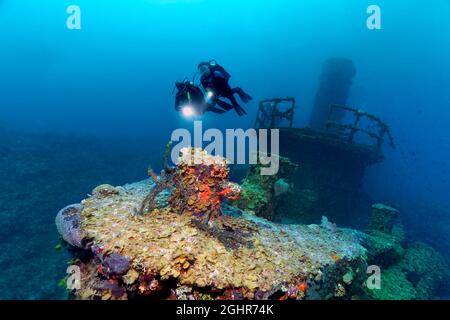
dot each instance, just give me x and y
(189, 99)
(214, 79)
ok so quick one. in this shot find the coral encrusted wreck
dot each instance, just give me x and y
(194, 245)
(198, 186)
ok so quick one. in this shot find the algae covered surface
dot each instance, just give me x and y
(257, 257)
(186, 234)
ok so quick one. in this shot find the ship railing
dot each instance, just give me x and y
(349, 131)
(270, 115)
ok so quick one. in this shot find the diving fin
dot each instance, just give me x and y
(224, 105)
(240, 111)
(244, 96)
(216, 110)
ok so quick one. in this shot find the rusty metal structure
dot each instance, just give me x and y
(348, 131)
(333, 151)
(270, 115)
(332, 159)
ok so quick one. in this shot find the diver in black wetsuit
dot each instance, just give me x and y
(214, 79)
(188, 94)
(190, 100)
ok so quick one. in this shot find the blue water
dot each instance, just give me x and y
(83, 107)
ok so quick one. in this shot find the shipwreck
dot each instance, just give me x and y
(190, 233)
(334, 151)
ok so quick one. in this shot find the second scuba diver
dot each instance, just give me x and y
(214, 79)
(189, 98)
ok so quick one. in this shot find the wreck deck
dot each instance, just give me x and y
(255, 257)
(367, 154)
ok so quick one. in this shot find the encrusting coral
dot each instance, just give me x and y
(68, 225)
(409, 271)
(425, 268)
(198, 185)
(384, 236)
(394, 286)
(383, 218)
(189, 243)
(261, 194)
(179, 251)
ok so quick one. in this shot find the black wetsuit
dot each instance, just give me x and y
(217, 83)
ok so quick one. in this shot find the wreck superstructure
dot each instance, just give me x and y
(333, 152)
